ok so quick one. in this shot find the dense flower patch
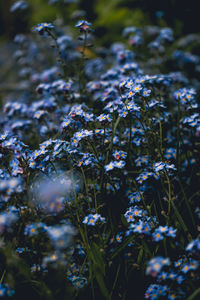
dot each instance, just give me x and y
(99, 174)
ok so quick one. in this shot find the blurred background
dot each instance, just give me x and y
(108, 16)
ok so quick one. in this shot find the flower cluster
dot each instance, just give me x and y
(170, 276)
(99, 166)
(92, 219)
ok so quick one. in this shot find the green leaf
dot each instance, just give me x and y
(101, 283)
(191, 297)
(98, 268)
(180, 219)
(139, 259)
(97, 257)
(124, 244)
(124, 221)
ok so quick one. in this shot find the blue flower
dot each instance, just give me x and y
(103, 118)
(193, 246)
(142, 160)
(31, 230)
(162, 276)
(138, 227)
(170, 153)
(84, 26)
(119, 164)
(2, 290)
(132, 213)
(61, 235)
(44, 27)
(159, 166)
(171, 232)
(91, 219)
(4, 136)
(157, 236)
(118, 238)
(146, 93)
(110, 166)
(137, 88)
(78, 281)
(156, 264)
(186, 268)
(134, 197)
(144, 176)
(155, 291)
(162, 229)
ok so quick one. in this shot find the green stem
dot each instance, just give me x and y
(187, 203)
(86, 187)
(191, 297)
(64, 67)
(165, 247)
(180, 219)
(178, 139)
(114, 284)
(169, 194)
(2, 277)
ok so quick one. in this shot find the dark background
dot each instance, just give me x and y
(108, 16)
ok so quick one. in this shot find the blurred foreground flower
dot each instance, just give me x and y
(50, 194)
(6, 219)
(61, 236)
(19, 5)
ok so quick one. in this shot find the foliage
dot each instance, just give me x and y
(99, 164)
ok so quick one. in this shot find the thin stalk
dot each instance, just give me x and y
(169, 194)
(86, 187)
(191, 297)
(114, 284)
(64, 67)
(187, 203)
(178, 139)
(2, 277)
